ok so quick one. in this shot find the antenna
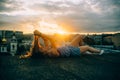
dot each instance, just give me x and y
(4, 34)
(4, 40)
(14, 31)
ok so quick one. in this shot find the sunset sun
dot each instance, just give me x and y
(50, 28)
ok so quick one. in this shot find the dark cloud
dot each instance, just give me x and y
(10, 5)
(83, 16)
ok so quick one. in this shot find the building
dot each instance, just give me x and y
(116, 41)
(97, 39)
(9, 41)
(13, 45)
(4, 46)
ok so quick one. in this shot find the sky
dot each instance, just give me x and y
(60, 16)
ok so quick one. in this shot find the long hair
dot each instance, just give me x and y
(36, 49)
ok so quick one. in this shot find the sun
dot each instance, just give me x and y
(50, 28)
(61, 32)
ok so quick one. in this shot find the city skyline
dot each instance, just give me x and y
(60, 16)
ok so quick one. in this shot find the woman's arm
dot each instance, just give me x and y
(46, 39)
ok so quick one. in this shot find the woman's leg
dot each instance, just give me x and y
(77, 41)
(83, 49)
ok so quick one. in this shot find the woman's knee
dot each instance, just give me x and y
(80, 36)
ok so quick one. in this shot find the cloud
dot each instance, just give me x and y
(77, 15)
(10, 5)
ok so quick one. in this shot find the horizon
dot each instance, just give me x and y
(69, 33)
(60, 16)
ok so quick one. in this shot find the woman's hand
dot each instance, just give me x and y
(27, 55)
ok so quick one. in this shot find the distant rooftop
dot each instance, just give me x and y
(9, 33)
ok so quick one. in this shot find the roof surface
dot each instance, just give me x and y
(85, 67)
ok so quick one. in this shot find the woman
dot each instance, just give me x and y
(59, 48)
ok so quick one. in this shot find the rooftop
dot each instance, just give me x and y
(85, 67)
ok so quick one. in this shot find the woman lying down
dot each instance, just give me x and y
(59, 48)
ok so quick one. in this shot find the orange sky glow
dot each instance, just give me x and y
(60, 16)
